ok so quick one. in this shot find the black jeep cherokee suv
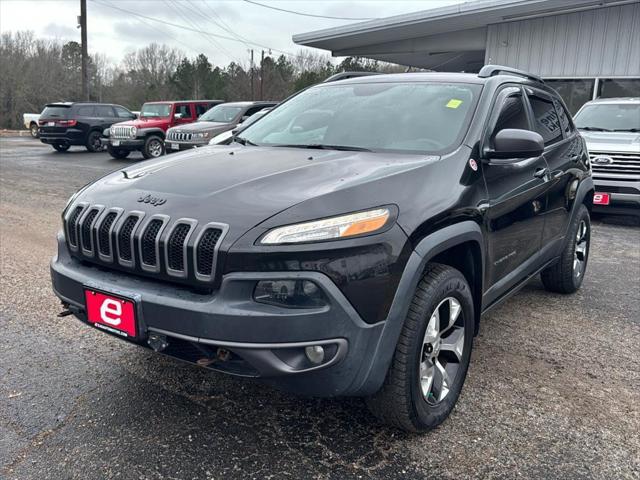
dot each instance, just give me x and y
(79, 123)
(346, 244)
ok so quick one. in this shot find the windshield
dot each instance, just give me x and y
(400, 117)
(618, 117)
(55, 112)
(220, 113)
(155, 110)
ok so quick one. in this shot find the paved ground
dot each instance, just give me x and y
(553, 390)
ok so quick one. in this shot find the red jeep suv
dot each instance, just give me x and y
(146, 134)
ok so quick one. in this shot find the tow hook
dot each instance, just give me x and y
(157, 341)
(222, 355)
(65, 311)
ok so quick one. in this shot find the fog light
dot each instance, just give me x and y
(289, 293)
(315, 354)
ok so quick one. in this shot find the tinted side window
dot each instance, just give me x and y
(512, 115)
(85, 111)
(563, 117)
(545, 118)
(104, 111)
(122, 112)
(200, 109)
(184, 110)
(253, 110)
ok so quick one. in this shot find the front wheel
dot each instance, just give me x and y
(93, 142)
(59, 147)
(153, 147)
(432, 356)
(33, 129)
(567, 274)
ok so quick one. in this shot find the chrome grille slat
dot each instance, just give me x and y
(121, 132)
(623, 167)
(150, 245)
(180, 136)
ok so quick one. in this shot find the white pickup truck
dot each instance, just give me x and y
(31, 123)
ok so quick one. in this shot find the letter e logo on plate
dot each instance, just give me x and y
(110, 312)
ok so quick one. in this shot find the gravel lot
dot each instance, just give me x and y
(553, 389)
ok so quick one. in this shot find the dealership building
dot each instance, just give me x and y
(584, 48)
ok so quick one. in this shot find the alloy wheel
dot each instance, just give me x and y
(155, 148)
(442, 349)
(581, 249)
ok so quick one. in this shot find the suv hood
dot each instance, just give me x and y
(146, 122)
(243, 186)
(612, 142)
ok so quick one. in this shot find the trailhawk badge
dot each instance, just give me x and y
(155, 201)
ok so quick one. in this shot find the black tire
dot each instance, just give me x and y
(118, 153)
(59, 147)
(567, 274)
(93, 141)
(153, 147)
(401, 402)
(33, 129)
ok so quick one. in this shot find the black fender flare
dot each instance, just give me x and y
(427, 249)
(145, 132)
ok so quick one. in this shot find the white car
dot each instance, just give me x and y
(30, 121)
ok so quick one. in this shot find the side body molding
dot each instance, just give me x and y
(428, 248)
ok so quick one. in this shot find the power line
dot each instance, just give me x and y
(184, 27)
(219, 23)
(305, 14)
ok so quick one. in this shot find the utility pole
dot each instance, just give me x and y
(261, 73)
(252, 97)
(85, 54)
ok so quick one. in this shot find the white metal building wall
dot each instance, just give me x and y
(595, 43)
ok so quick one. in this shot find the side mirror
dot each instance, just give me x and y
(516, 143)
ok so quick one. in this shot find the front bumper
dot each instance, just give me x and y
(173, 146)
(624, 196)
(123, 144)
(263, 340)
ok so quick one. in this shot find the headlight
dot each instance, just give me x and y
(329, 228)
(133, 132)
(112, 131)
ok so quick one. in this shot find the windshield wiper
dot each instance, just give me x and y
(244, 141)
(633, 130)
(321, 146)
(595, 129)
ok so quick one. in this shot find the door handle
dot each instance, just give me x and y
(541, 173)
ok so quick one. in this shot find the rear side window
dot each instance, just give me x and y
(512, 115)
(184, 111)
(563, 117)
(201, 108)
(55, 112)
(85, 111)
(104, 111)
(545, 118)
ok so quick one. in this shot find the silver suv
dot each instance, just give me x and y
(611, 128)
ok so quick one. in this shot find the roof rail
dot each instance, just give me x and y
(493, 70)
(345, 75)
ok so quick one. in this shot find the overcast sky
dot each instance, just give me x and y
(116, 32)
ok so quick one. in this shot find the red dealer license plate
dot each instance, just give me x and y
(601, 198)
(111, 313)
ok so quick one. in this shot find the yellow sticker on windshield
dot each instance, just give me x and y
(454, 103)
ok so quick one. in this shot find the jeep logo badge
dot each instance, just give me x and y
(155, 201)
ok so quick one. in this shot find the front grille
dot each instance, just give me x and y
(72, 226)
(124, 237)
(104, 247)
(149, 242)
(155, 247)
(180, 136)
(120, 132)
(86, 229)
(623, 167)
(205, 251)
(175, 247)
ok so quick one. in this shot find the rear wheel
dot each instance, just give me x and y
(153, 147)
(432, 356)
(567, 274)
(33, 129)
(59, 147)
(93, 141)
(118, 153)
